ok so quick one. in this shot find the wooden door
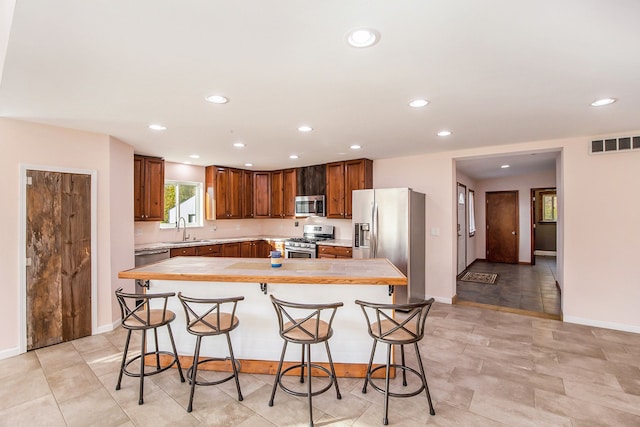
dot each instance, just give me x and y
(247, 194)
(262, 194)
(335, 190)
(502, 227)
(58, 250)
(276, 194)
(289, 193)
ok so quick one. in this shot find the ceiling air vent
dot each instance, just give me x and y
(610, 145)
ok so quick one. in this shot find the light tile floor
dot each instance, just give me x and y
(485, 368)
(524, 287)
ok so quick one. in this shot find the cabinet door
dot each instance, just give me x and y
(234, 194)
(247, 194)
(358, 175)
(188, 251)
(221, 178)
(289, 193)
(335, 190)
(231, 250)
(277, 209)
(247, 249)
(209, 250)
(263, 249)
(138, 188)
(261, 194)
(154, 188)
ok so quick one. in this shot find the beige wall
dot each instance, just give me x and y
(36, 145)
(597, 242)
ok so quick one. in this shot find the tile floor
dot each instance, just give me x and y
(525, 287)
(485, 368)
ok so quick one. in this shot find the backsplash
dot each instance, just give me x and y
(150, 232)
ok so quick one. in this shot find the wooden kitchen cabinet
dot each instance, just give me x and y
(311, 180)
(261, 194)
(209, 250)
(148, 188)
(223, 197)
(231, 250)
(188, 251)
(283, 193)
(334, 252)
(342, 179)
(247, 194)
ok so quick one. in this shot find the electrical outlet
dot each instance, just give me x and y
(214, 228)
(295, 224)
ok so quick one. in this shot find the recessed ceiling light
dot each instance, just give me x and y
(194, 156)
(294, 156)
(602, 102)
(217, 99)
(363, 37)
(355, 147)
(305, 128)
(238, 144)
(248, 164)
(505, 166)
(417, 103)
(156, 126)
(444, 133)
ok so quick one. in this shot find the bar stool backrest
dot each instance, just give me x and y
(305, 323)
(136, 312)
(407, 329)
(210, 316)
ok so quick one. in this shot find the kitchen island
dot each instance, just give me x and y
(256, 341)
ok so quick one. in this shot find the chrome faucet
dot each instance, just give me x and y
(185, 236)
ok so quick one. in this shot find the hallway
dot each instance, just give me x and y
(524, 288)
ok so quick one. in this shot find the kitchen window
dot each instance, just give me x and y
(182, 199)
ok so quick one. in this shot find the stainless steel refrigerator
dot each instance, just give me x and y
(390, 223)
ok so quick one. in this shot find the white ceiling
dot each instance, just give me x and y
(496, 72)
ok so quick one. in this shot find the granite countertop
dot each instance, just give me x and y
(203, 242)
(336, 242)
(376, 271)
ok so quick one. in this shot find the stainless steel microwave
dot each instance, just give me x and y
(310, 206)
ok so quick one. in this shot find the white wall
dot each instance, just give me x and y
(25, 143)
(597, 246)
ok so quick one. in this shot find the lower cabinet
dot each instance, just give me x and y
(249, 249)
(334, 252)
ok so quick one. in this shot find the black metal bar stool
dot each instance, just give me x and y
(137, 315)
(206, 317)
(384, 328)
(305, 324)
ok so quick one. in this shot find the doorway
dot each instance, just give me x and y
(58, 271)
(502, 218)
(544, 217)
(462, 228)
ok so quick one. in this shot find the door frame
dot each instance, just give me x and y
(466, 225)
(22, 265)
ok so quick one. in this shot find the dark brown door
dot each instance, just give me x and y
(58, 246)
(502, 227)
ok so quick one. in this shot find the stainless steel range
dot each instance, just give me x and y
(305, 246)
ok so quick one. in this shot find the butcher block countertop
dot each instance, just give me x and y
(378, 271)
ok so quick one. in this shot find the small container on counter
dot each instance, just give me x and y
(276, 259)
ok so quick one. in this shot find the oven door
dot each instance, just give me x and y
(299, 253)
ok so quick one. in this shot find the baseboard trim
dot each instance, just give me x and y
(443, 300)
(11, 352)
(600, 324)
(107, 328)
(545, 253)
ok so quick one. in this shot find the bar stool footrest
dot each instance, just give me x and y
(148, 373)
(396, 394)
(331, 378)
(212, 359)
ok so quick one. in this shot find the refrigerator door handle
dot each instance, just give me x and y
(374, 220)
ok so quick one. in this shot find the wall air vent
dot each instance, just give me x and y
(611, 145)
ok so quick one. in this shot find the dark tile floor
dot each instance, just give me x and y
(525, 287)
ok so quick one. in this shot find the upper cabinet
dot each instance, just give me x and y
(148, 188)
(342, 179)
(247, 194)
(223, 198)
(311, 180)
(261, 194)
(283, 193)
